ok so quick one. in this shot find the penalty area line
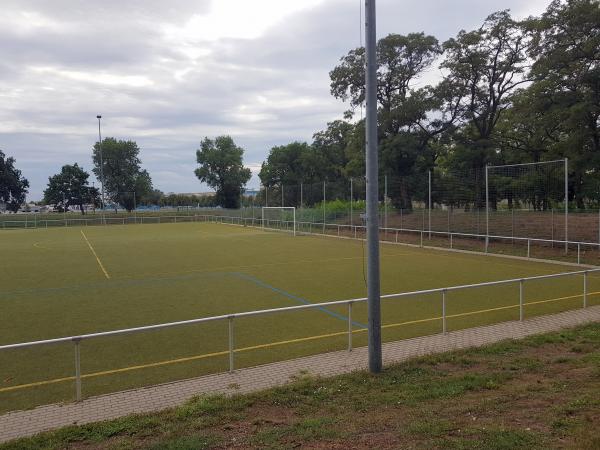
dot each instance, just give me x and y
(95, 255)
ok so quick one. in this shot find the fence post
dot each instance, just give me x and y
(444, 329)
(429, 201)
(396, 236)
(521, 315)
(487, 208)
(385, 207)
(231, 365)
(421, 238)
(528, 248)
(351, 200)
(324, 200)
(77, 341)
(512, 224)
(349, 326)
(578, 253)
(552, 222)
(451, 244)
(585, 288)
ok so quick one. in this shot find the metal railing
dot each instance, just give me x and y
(423, 234)
(230, 318)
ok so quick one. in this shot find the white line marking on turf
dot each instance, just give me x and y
(95, 255)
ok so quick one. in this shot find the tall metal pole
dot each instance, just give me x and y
(566, 205)
(324, 198)
(385, 209)
(429, 219)
(487, 209)
(372, 170)
(351, 201)
(99, 117)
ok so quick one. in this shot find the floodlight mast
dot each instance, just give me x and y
(372, 173)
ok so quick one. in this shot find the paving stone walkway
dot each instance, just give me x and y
(26, 423)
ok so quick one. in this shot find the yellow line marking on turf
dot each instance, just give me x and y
(279, 343)
(95, 255)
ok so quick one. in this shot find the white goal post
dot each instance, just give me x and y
(282, 222)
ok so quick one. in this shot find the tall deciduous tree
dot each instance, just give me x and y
(69, 188)
(13, 186)
(221, 167)
(124, 179)
(406, 122)
(566, 49)
(484, 67)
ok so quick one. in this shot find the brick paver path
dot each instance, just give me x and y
(26, 423)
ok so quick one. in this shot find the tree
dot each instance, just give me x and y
(70, 187)
(222, 169)
(13, 186)
(566, 48)
(124, 180)
(404, 114)
(331, 146)
(401, 60)
(486, 65)
(151, 198)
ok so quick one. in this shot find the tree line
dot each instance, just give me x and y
(510, 92)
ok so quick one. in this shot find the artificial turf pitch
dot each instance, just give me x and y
(71, 281)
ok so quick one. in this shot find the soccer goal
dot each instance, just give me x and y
(279, 218)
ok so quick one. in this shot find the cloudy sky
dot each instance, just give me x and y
(168, 73)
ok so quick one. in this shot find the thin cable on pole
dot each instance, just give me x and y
(360, 39)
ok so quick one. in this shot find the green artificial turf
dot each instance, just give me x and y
(51, 285)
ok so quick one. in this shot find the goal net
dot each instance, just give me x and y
(531, 186)
(279, 218)
(537, 192)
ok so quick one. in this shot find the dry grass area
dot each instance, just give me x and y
(541, 392)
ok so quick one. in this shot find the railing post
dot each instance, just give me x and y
(396, 236)
(77, 342)
(444, 329)
(578, 253)
(231, 363)
(521, 313)
(349, 326)
(528, 248)
(585, 288)
(451, 243)
(421, 238)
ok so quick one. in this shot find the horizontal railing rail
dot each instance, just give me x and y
(143, 218)
(579, 245)
(77, 339)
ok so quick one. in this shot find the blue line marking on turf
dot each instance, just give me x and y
(295, 297)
